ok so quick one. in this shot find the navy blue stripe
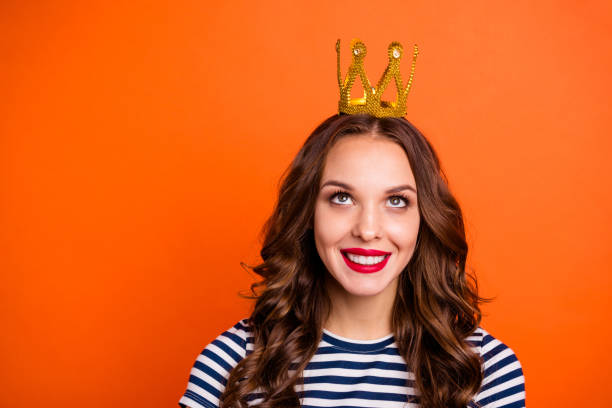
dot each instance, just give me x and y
(239, 341)
(487, 339)
(358, 347)
(208, 370)
(200, 400)
(493, 352)
(203, 384)
(366, 395)
(228, 350)
(500, 364)
(353, 365)
(389, 351)
(473, 343)
(254, 395)
(500, 380)
(502, 394)
(242, 326)
(214, 357)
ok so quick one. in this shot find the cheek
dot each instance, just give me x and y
(329, 227)
(404, 233)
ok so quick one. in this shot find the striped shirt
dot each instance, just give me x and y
(353, 373)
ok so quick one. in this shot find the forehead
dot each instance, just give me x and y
(368, 159)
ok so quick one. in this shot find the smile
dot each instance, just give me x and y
(365, 261)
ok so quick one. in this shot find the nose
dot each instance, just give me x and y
(367, 224)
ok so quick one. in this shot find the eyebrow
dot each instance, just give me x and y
(348, 187)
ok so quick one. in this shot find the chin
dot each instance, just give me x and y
(364, 289)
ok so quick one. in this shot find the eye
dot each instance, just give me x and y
(398, 201)
(341, 198)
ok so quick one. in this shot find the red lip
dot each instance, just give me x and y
(365, 252)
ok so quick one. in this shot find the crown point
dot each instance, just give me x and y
(371, 102)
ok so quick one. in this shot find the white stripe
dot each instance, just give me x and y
(490, 346)
(190, 403)
(504, 370)
(356, 402)
(519, 396)
(500, 387)
(358, 358)
(230, 343)
(203, 393)
(222, 354)
(498, 357)
(343, 372)
(393, 389)
(206, 378)
(213, 365)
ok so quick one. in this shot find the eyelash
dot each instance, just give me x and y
(400, 196)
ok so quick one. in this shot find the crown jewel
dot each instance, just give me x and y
(371, 102)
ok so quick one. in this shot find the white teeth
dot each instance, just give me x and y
(365, 260)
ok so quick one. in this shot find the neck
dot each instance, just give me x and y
(359, 317)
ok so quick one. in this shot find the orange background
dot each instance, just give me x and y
(141, 144)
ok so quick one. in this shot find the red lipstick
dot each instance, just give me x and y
(365, 252)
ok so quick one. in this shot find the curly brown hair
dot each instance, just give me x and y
(436, 306)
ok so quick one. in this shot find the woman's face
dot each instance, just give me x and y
(366, 217)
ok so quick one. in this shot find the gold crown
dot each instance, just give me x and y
(371, 102)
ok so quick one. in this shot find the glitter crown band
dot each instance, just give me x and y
(371, 102)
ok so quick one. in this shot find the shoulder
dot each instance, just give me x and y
(503, 383)
(234, 342)
(209, 374)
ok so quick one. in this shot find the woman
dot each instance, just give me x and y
(365, 300)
